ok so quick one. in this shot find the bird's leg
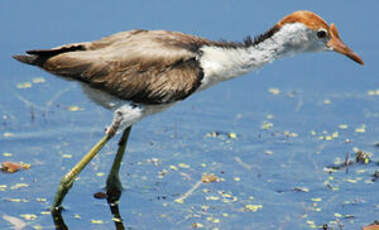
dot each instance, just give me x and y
(68, 180)
(113, 184)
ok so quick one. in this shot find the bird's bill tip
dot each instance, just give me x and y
(336, 44)
(355, 57)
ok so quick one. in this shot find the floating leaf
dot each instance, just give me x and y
(373, 92)
(212, 134)
(12, 167)
(268, 152)
(274, 91)
(208, 178)
(270, 116)
(267, 125)
(362, 157)
(24, 85)
(68, 156)
(253, 207)
(38, 80)
(197, 225)
(29, 216)
(290, 134)
(361, 129)
(173, 167)
(19, 185)
(3, 187)
(100, 174)
(212, 198)
(183, 165)
(310, 222)
(16, 200)
(7, 134)
(37, 227)
(41, 200)
(301, 189)
(100, 195)
(236, 179)
(232, 135)
(216, 220)
(74, 108)
(179, 201)
(327, 101)
(351, 181)
(7, 154)
(97, 221)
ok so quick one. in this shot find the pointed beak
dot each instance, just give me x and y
(336, 44)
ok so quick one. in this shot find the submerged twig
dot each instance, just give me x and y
(189, 192)
(29, 103)
(243, 164)
(299, 104)
(58, 95)
(47, 104)
(206, 179)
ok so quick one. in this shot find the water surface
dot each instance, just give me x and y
(292, 120)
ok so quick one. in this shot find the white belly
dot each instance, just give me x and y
(131, 112)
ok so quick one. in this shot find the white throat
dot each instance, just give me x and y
(220, 64)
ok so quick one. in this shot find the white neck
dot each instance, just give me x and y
(220, 64)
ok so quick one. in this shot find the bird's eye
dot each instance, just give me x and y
(322, 33)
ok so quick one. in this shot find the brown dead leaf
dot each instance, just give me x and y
(12, 167)
(209, 178)
(371, 227)
(100, 195)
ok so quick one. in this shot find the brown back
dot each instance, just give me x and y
(150, 67)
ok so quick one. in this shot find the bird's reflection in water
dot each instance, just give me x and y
(58, 219)
(113, 197)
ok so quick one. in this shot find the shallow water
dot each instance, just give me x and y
(292, 120)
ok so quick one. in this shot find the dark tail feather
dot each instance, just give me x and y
(27, 59)
(56, 51)
(39, 57)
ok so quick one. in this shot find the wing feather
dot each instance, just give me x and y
(150, 67)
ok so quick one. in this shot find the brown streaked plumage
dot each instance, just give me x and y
(149, 67)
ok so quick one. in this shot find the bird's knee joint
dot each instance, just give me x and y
(66, 183)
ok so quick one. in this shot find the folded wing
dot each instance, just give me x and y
(150, 67)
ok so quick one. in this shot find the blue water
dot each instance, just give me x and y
(318, 93)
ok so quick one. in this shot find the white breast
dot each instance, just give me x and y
(220, 64)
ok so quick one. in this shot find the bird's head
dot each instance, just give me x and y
(305, 31)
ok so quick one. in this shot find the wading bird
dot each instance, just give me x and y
(140, 72)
